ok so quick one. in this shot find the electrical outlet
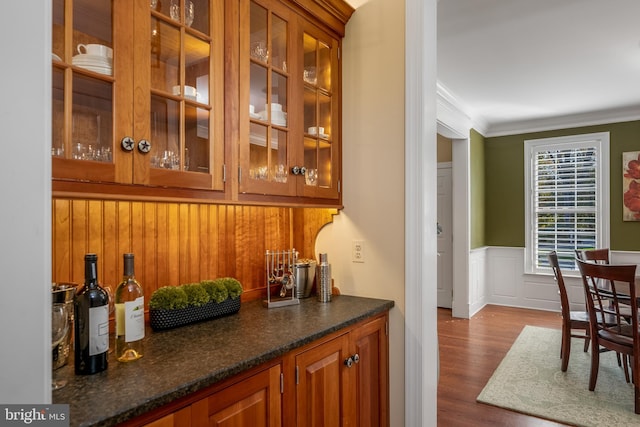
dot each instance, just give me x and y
(357, 251)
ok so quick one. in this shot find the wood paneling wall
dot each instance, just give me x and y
(176, 243)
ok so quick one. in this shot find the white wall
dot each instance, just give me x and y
(25, 217)
(374, 189)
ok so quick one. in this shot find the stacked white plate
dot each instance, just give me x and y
(97, 64)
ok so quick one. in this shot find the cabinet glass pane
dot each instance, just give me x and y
(278, 159)
(310, 111)
(196, 73)
(196, 128)
(279, 33)
(258, 33)
(324, 164)
(310, 60)
(311, 161)
(191, 13)
(324, 66)
(258, 154)
(58, 30)
(165, 57)
(278, 99)
(165, 133)
(324, 116)
(200, 13)
(258, 92)
(57, 108)
(92, 24)
(92, 120)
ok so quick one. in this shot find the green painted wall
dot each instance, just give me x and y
(477, 184)
(504, 185)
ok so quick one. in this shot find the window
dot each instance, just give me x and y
(567, 198)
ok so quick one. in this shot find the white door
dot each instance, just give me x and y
(445, 237)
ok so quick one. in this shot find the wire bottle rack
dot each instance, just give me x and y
(280, 278)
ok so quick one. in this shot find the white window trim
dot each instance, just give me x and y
(601, 141)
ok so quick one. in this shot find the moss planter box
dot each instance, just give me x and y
(168, 319)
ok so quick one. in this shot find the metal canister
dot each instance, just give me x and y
(63, 293)
(305, 273)
(324, 279)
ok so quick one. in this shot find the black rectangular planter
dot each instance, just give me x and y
(168, 319)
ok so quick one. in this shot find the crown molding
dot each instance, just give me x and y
(616, 115)
(454, 117)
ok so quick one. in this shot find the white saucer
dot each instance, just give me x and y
(255, 116)
(56, 57)
(96, 69)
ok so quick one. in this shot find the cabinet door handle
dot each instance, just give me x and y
(303, 170)
(127, 143)
(144, 146)
(348, 362)
(295, 170)
(356, 358)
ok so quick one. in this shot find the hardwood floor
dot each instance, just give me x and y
(470, 350)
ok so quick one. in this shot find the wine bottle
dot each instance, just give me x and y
(91, 322)
(129, 315)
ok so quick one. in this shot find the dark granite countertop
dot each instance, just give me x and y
(180, 361)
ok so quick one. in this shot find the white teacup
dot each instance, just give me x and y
(315, 130)
(96, 50)
(189, 91)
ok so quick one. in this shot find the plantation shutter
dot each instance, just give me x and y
(565, 198)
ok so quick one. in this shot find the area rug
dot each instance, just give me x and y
(529, 380)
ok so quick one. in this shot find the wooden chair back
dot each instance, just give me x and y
(564, 297)
(619, 335)
(600, 256)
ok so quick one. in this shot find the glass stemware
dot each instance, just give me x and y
(59, 330)
(188, 13)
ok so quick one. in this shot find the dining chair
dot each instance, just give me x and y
(571, 320)
(621, 337)
(600, 256)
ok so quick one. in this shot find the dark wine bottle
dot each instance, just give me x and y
(91, 324)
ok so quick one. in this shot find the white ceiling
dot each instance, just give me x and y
(536, 64)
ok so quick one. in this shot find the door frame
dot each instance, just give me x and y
(455, 124)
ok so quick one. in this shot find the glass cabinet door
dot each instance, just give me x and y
(183, 81)
(84, 84)
(265, 129)
(321, 137)
(136, 96)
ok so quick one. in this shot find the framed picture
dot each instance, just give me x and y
(631, 186)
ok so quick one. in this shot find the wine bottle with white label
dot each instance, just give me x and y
(91, 322)
(129, 315)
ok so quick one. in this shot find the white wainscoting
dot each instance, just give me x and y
(497, 277)
(478, 292)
